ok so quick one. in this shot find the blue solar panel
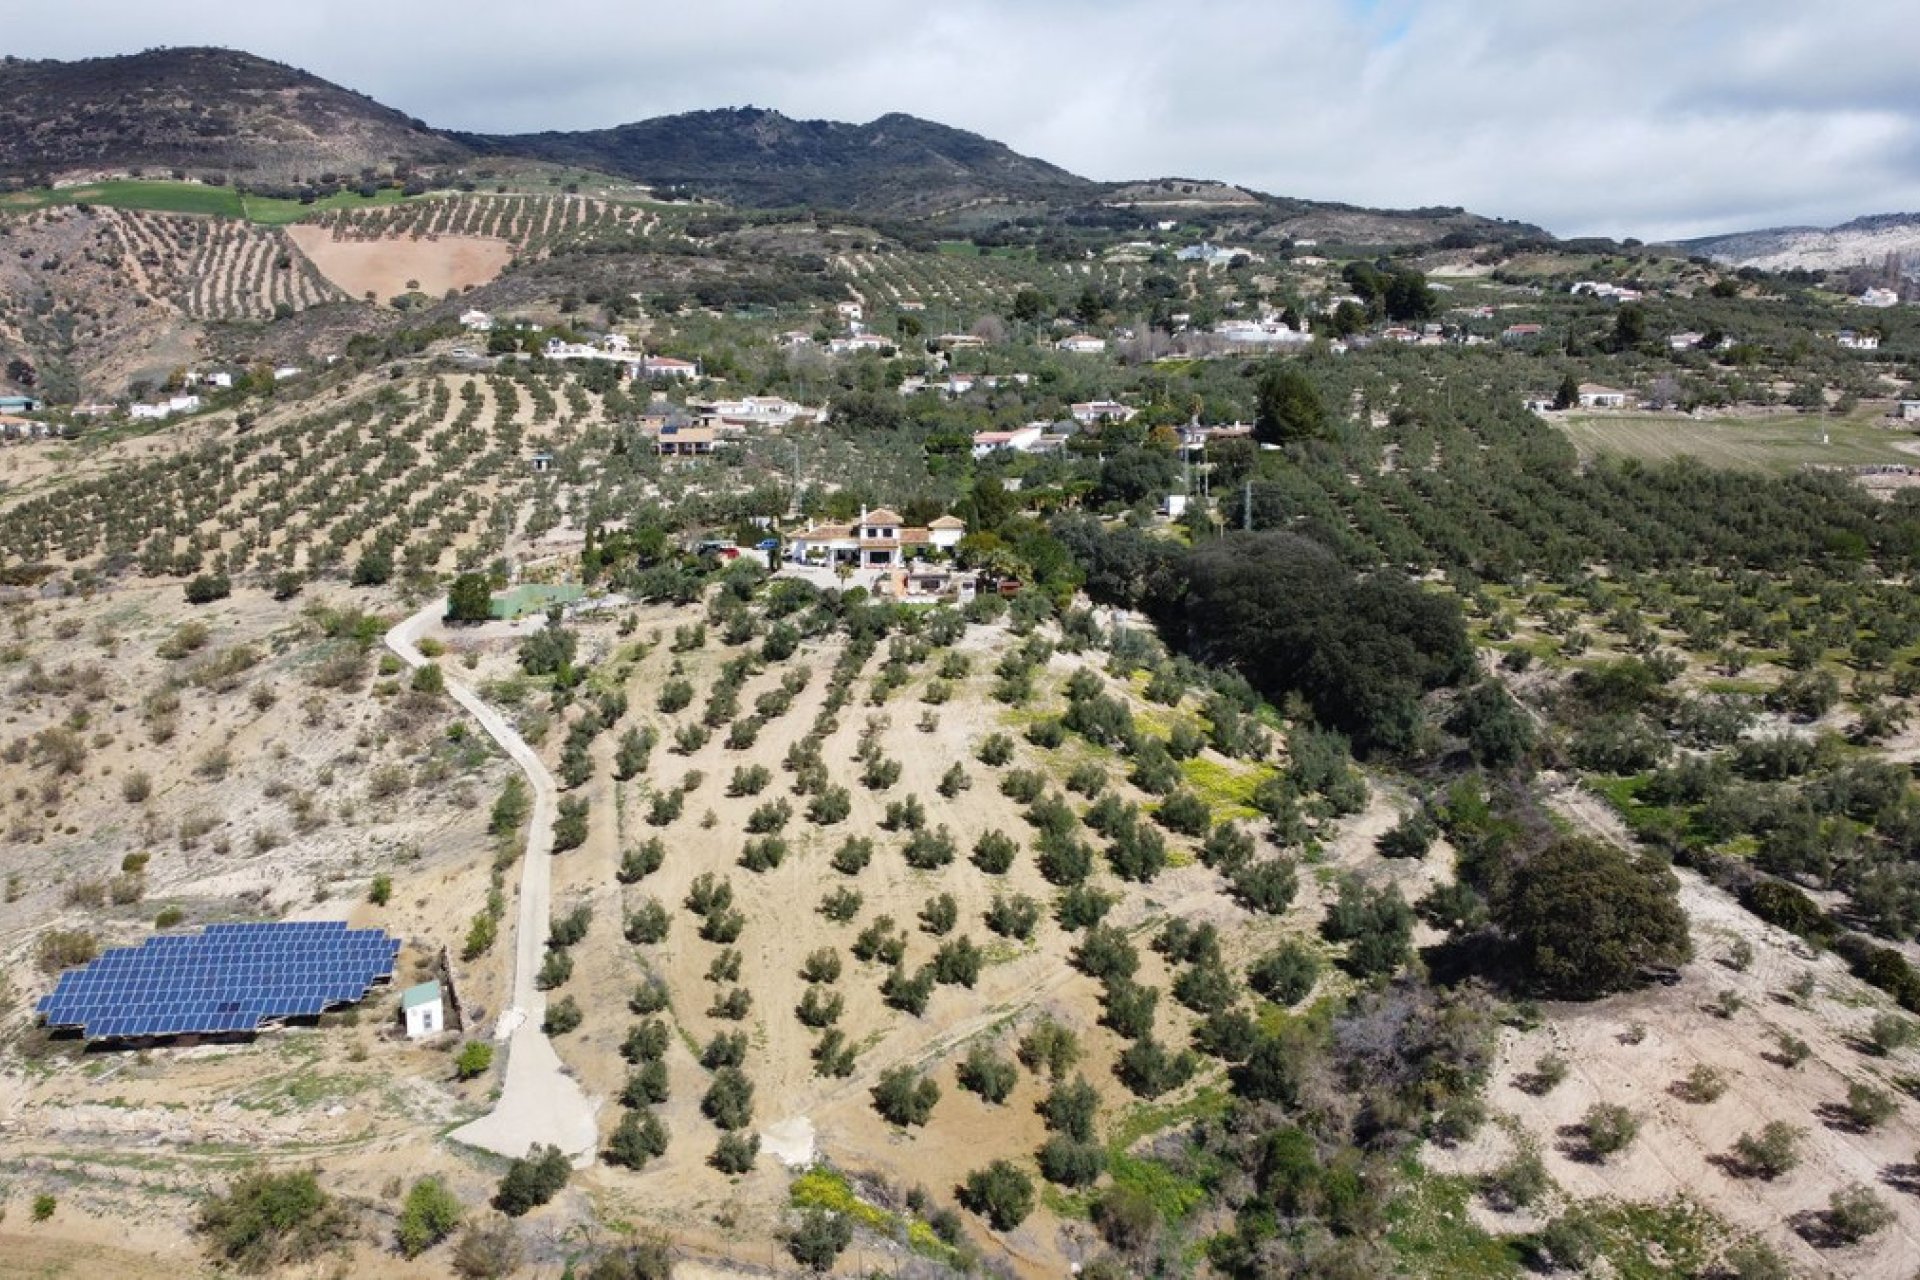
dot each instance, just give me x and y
(229, 977)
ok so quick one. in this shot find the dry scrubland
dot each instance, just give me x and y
(304, 820)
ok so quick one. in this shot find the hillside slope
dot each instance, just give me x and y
(211, 110)
(896, 164)
(1863, 242)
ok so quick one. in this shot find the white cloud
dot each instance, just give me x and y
(1624, 117)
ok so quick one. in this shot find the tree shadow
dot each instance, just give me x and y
(1902, 1177)
(1576, 1144)
(1817, 1228)
(1836, 1116)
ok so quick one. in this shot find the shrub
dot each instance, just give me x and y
(1703, 1084)
(429, 1216)
(987, 1074)
(1267, 886)
(638, 1138)
(1519, 1182)
(555, 969)
(749, 780)
(1185, 813)
(832, 805)
(1868, 1107)
(819, 1007)
(1773, 1151)
(940, 914)
(763, 853)
(995, 749)
(269, 1220)
(473, 1060)
(727, 1049)
(1855, 1212)
(64, 948)
(1609, 1128)
(1072, 1163)
(1890, 1033)
(735, 1153)
(905, 1098)
(532, 1180)
(729, 1099)
(853, 855)
(570, 826)
(818, 1238)
(1081, 907)
(563, 1015)
(208, 587)
(1285, 975)
(909, 994)
(649, 924)
(841, 904)
(1000, 1193)
(930, 850)
(487, 1251)
(957, 963)
(1013, 917)
(1050, 1048)
(647, 1084)
(994, 853)
(646, 1042)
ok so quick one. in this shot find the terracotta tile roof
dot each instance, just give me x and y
(883, 515)
(947, 522)
(915, 537)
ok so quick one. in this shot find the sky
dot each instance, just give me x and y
(1651, 118)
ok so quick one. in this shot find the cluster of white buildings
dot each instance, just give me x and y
(1612, 292)
(160, 410)
(878, 539)
(1851, 341)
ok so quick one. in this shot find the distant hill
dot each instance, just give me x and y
(199, 110)
(897, 164)
(1864, 242)
(227, 114)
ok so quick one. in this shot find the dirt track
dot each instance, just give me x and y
(540, 1102)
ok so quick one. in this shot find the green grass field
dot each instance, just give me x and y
(191, 197)
(1783, 442)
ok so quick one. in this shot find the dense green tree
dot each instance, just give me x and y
(1586, 919)
(1288, 407)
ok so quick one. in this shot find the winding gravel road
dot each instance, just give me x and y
(540, 1102)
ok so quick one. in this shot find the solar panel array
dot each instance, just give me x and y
(229, 977)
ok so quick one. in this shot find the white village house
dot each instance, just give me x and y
(1082, 344)
(1852, 341)
(878, 539)
(1595, 396)
(1089, 412)
(1019, 440)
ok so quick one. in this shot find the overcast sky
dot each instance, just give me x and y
(1655, 118)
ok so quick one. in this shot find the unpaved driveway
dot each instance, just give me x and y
(540, 1102)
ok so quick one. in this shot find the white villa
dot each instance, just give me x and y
(1595, 396)
(857, 342)
(1852, 341)
(770, 411)
(1089, 412)
(476, 321)
(1020, 440)
(1082, 343)
(164, 408)
(878, 539)
(668, 367)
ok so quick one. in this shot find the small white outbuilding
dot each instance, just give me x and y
(421, 1008)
